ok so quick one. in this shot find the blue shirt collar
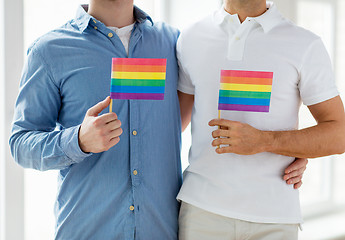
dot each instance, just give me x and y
(83, 18)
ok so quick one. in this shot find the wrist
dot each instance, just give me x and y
(70, 145)
(268, 141)
(81, 143)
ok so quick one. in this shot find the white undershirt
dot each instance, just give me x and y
(124, 34)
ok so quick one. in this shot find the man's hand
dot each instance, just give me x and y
(241, 138)
(294, 172)
(99, 133)
(237, 137)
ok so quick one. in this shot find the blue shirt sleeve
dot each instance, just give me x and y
(35, 141)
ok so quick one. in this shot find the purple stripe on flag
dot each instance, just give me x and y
(244, 108)
(143, 96)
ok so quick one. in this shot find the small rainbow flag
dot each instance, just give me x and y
(248, 91)
(138, 78)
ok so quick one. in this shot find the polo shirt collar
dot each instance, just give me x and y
(221, 15)
(267, 21)
(270, 18)
(83, 19)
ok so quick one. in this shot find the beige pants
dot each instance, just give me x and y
(197, 224)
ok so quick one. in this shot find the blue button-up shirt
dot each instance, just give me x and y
(130, 190)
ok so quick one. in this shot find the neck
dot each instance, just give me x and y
(113, 13)
(245, 8)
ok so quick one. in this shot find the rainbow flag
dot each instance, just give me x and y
(248, 91)
(138, 78)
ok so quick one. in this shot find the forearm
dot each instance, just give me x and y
(324, 139)
(46, 150)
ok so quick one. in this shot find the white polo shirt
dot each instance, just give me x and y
(249, 188)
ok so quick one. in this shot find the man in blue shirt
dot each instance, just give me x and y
(61, 122)
(129, 190)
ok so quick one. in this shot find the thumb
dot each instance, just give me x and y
(98, 108)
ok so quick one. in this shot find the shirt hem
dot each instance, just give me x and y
(242, 217)
(324, 97)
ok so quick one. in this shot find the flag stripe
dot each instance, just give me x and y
(247, 108)
(136, 89)
(139, 61)
(245, 80)
(139, 75)
(244, 101)
(137, 82)
(249, 74)
(143, 96)
(244, 94)
(245, 87)
(139, 68)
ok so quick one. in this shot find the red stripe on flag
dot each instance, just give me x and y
(248, 74)
(139, 61)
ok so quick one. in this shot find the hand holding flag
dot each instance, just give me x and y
(99, 133)
(245, 91)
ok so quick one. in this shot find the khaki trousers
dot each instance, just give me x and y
(198, 224)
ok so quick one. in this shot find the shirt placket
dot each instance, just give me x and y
(110, 34)
(237, 40)
(135, 136)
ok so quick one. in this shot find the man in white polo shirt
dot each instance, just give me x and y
(236, 191)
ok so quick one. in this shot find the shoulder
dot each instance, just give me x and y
(162, 30)
(204, 25)
(198, 34)
(195, 36)
(56, 37)
(294, 34)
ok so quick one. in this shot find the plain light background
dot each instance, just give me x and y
(27, 196)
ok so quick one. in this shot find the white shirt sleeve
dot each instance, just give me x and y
(317, 81)
(185, 84)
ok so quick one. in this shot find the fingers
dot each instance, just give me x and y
(294, 180)
(111, 139)
(98, 108)
(297, 164)
(221, 141)
(115, 133)
(220, 122)
(295, 173)
(113, 125)
(297, 185)
(111, 130)
(108, 117)
(102, 122)
(220, 133)
(227, 149)
(114, 141)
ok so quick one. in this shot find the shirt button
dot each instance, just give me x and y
(131, 208)
(95, 28)
(135, 172)
(110, 35)
(237, 38)
(231, 20)
(135, 133)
